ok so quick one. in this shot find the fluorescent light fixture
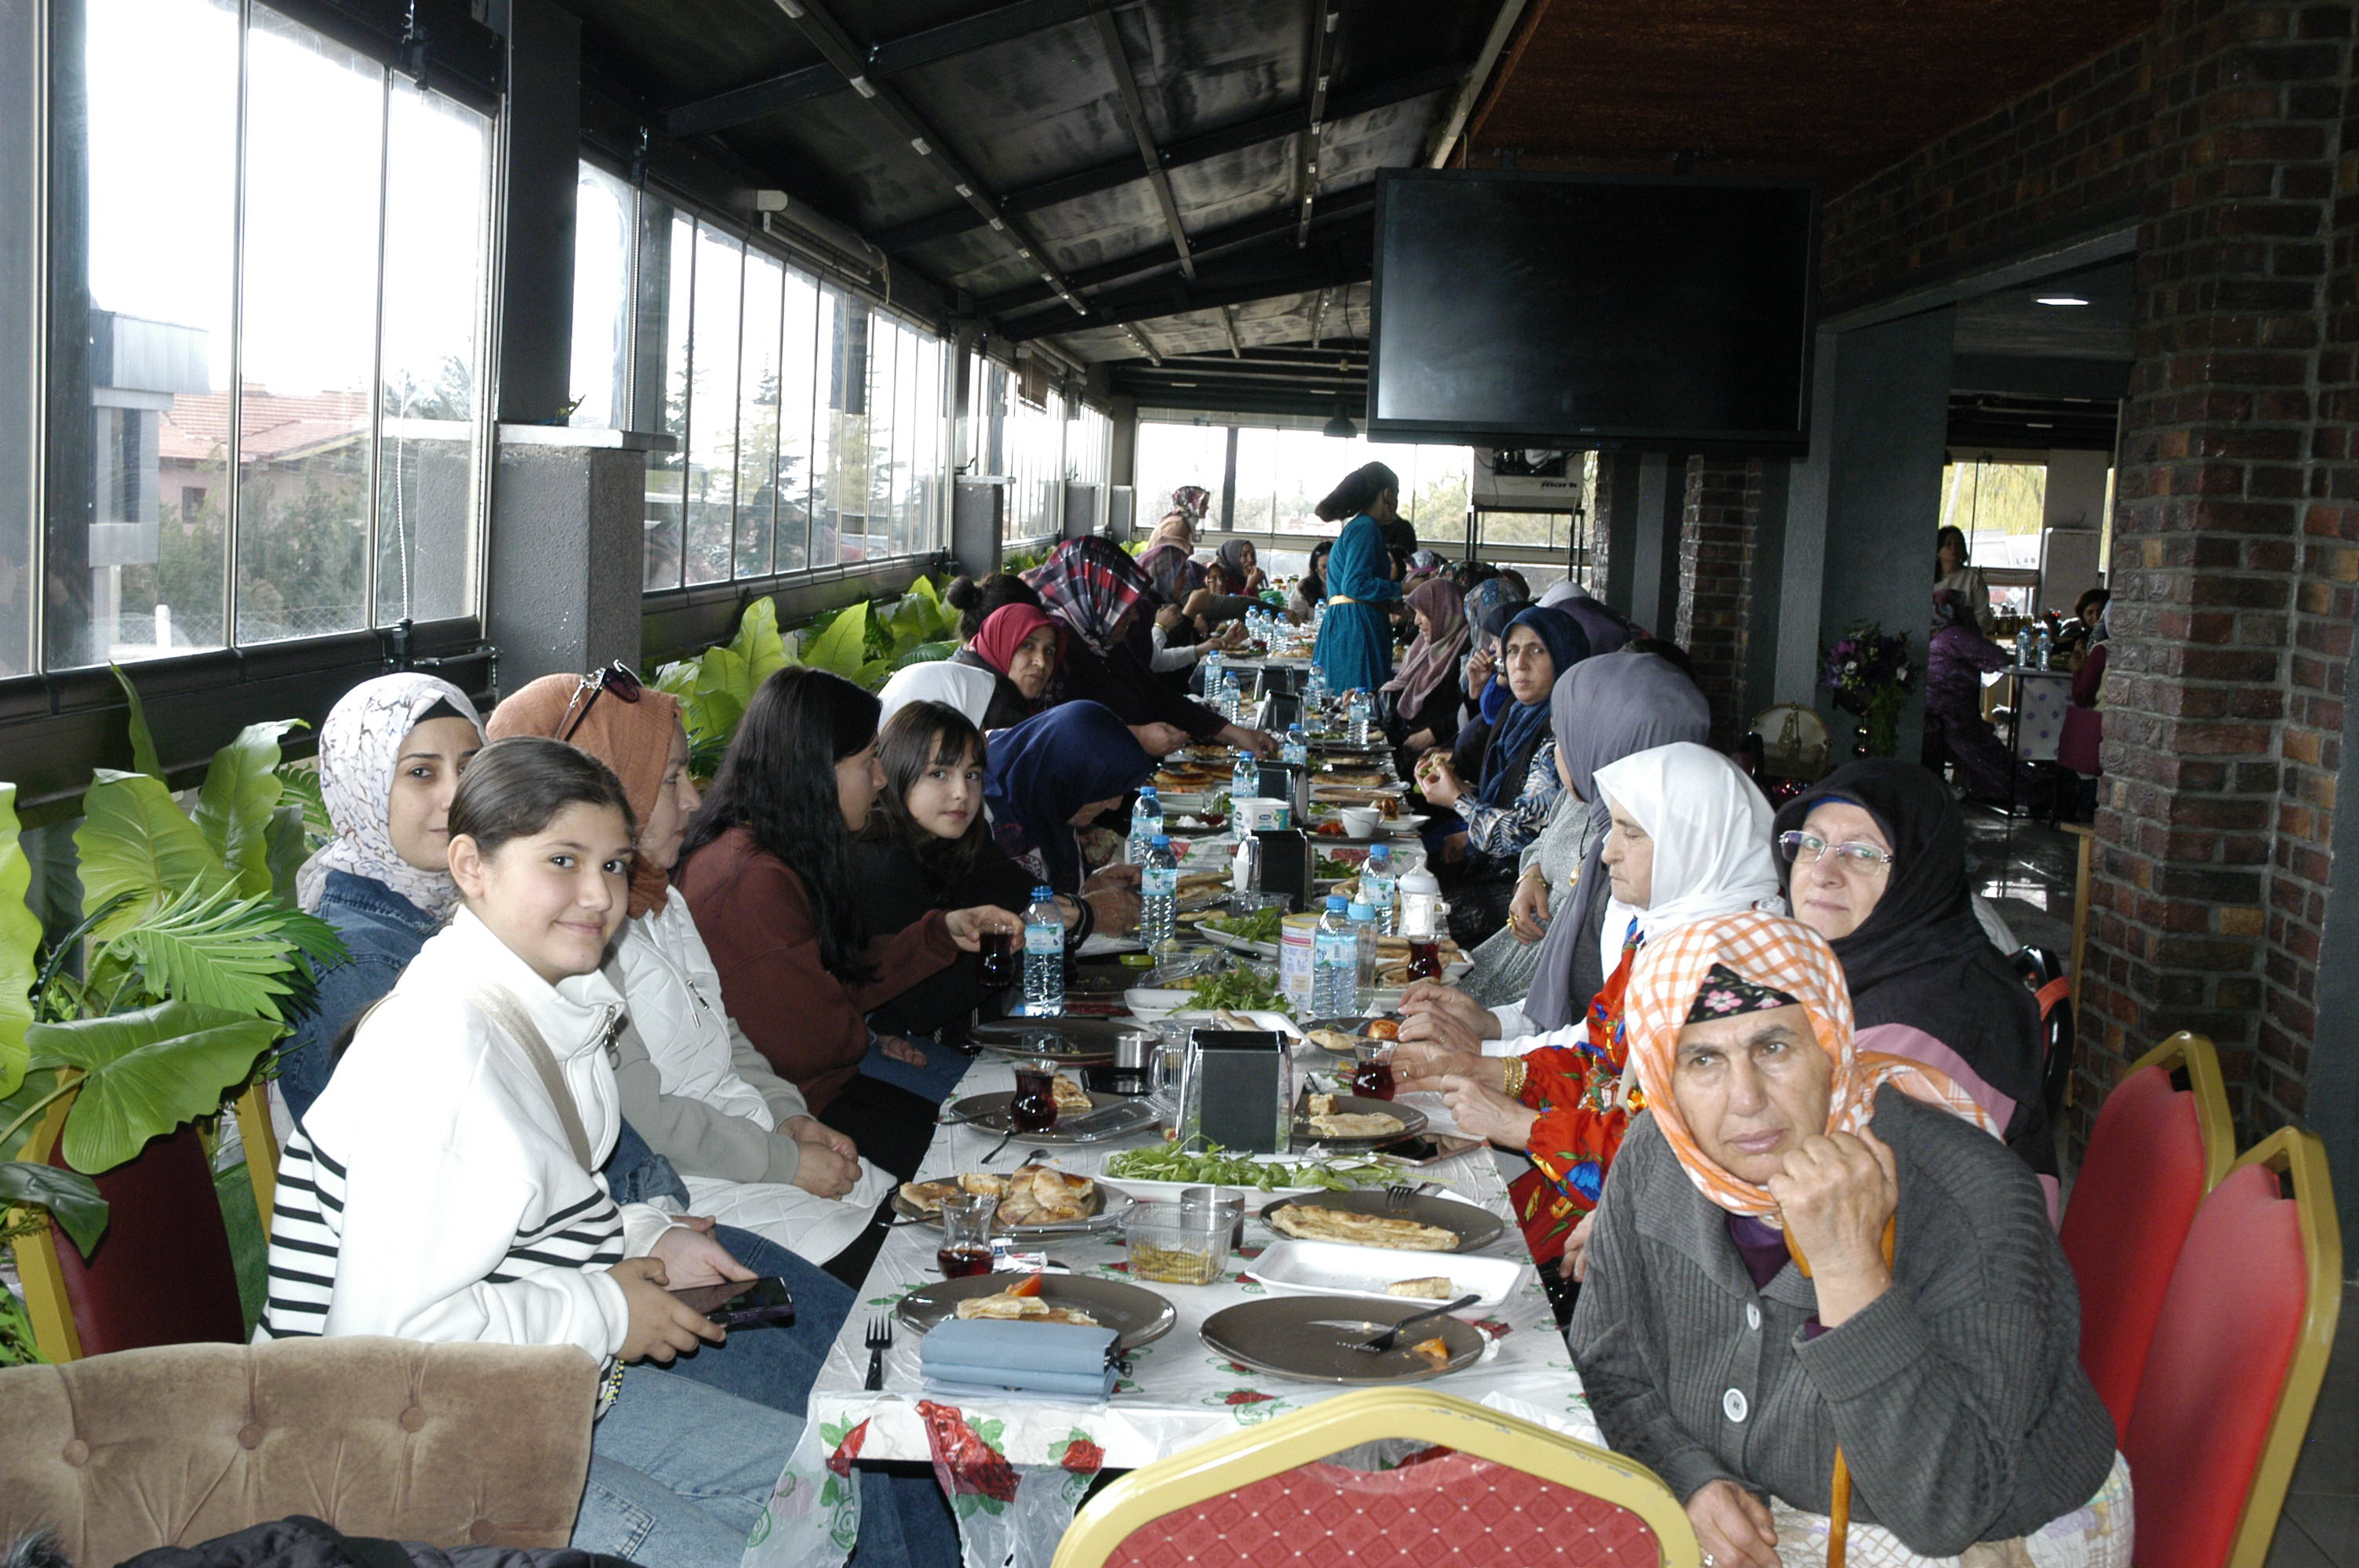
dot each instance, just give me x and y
(2061, 299)
(919, 143)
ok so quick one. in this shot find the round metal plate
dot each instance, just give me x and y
(1310, 1337)
(990, 1115)
(1137, 1316)
(1412, 1122)
(1475, 1227)
(1111, 1206)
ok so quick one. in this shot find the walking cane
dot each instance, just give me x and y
(1838, 1488)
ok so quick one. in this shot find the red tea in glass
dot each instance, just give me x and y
(999, 955)
(961, 1261)
(1034, 1108)
(1425, 958)
(1372, 1076)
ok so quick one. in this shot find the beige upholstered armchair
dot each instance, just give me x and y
(444, 1443)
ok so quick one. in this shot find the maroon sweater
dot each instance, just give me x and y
(755, 919)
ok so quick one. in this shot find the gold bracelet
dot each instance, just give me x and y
(1515, 1073)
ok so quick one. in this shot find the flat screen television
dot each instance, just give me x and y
(1593, 310)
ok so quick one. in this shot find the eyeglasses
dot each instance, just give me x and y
(1859, 860)
(616, 677)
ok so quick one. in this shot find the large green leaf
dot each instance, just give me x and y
(145, 1073)
(134, 840)
(712, 709)
(299, 783)
(842, 648)
(677, 677)
(287, 844)
(233, 806)
(758, 644)
(70, 1197)
(142, 744)
(218, 950)
(20, 945)
(925, 654)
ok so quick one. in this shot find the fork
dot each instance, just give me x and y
(879, 1340)
(1396, 1197)
(1391, 1337)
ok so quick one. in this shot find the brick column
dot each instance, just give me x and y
(1716, 582)
(2233, 560)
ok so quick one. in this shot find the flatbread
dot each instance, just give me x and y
(1028, 1309)
(1356, 1124)
(1432, 1288)
(1308, 1222)
(927, 1198)
(1040, 1195)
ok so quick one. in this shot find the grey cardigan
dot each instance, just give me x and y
(1957, 1395)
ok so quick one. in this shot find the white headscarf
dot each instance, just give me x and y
(360, 746)
(957, 685)
(1710, 828)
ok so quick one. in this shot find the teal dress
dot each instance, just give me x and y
(1355, 639)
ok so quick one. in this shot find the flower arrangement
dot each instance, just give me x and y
(1871, 674)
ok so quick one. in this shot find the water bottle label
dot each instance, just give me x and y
(1159, 882)
(1041, 938)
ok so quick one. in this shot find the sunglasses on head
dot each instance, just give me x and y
(616, 677)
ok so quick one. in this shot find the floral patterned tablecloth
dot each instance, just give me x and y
(1002, 1458)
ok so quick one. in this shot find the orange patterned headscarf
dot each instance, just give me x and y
(1772, 950)
(632, 738)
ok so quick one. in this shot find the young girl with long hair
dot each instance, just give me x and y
(766, 867)
(443, 1186)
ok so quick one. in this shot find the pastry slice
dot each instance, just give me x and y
(1432, 1288)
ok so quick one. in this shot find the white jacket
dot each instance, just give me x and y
(661, 964)
(431, 1193)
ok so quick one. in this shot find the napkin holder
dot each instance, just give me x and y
(1246, 1094)
(1286, 863)
(987, 1355)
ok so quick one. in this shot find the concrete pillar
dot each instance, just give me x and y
(567, 513)
(1891, 387)
(1646, 535)
(543, 150)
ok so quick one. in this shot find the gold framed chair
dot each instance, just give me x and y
(1507, 1491)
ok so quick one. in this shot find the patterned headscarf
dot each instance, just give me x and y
(1766, 950)
(1437, 650)
(1090, 584)
(360, 749)
(1192, 498)
(632, 738)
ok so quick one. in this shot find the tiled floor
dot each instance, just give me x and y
(2026, 870)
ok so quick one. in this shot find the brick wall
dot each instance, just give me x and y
(1716, 582)
(2236, 528)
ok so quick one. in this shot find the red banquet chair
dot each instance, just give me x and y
(1505, 1492)
(2237, 1357)
(2154, 1153)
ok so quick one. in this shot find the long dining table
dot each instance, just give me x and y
(1018, 1465)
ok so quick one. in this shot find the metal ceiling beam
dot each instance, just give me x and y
(1325, 18)
(826, 35)
(1002, 24)
(1177, 155)
(1229, 321)
(1147, 305)
(1251, 234)
(1453, 119)
(1318, 318)
(1254, 370)
(1133, 109)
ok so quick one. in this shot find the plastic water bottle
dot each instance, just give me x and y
(1379, 887)
(2022, 647)
(1232, 697)
(1244, 779)
(1363, 933)
(1357, 710)
(1158, 893)
(1044, 957)
(1315, 690)
(1295, 750)
(1212, 663)
(1335, 962)
(1145, 822)
(2047, 646)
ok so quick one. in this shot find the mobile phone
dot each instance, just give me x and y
(741, 1303)
(1423, 1150)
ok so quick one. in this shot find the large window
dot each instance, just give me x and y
(280, 392)
(807, 424)
(1282, 472)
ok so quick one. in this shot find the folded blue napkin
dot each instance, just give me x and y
(1064, 1358)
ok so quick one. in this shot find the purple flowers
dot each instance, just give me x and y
(1870, 673)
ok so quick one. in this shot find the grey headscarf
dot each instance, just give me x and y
(1602, 710)
(1606, 629)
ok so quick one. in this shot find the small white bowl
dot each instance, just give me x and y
(1153, 1003)
(1360, 821)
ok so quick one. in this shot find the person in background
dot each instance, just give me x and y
(1607, 629)
(1168, 559)
(1017, 644)
(1311, 590)
(2078, 746)
(1243, 566)
(438, 1191)
(975, 601)
(1873, 860)
(742, 1139)
(1951, 570)
(390, 755)
(1955, 663)
(1052, 774)
(929, 845)
(1489, 607)
(1809, 1248)
(2087, 627)
(1422, 700)
(1099, 593)
(1518, 783)
(969, 687)
(766, 868)
(1422, 564)
(1356, 644)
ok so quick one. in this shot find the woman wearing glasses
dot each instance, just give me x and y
(1875, 861)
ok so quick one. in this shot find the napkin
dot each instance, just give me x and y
(1065, 1358)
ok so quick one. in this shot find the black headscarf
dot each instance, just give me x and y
(1920, 958)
